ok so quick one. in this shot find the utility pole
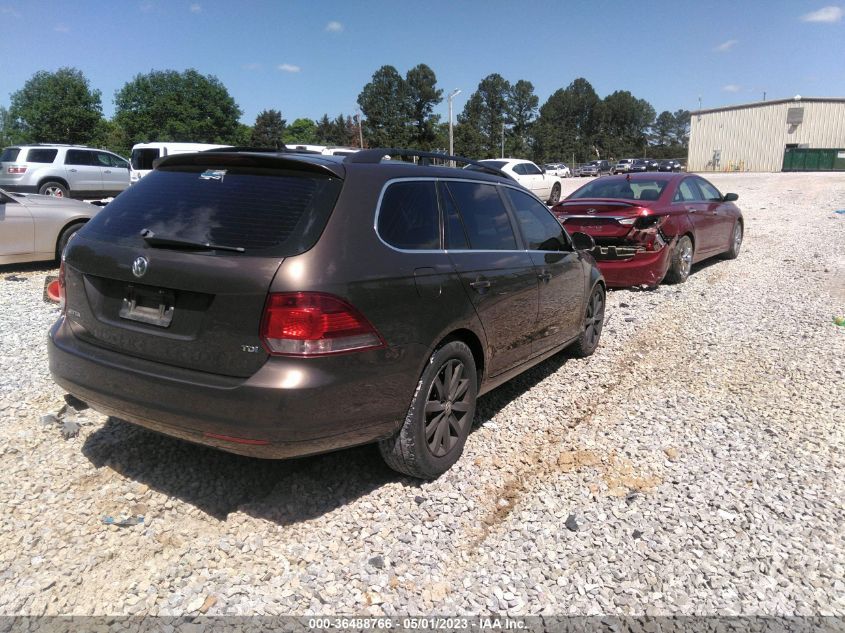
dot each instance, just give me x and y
(451, 96)
(503, 139)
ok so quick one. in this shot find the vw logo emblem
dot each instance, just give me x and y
(591, 211)
(139, 266)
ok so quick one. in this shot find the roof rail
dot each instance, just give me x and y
(376, 155)
(246, 148)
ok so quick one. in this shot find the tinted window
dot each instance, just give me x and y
(10, 154)
(456, 237)
(540, 229)
(485, 218)
(708, 191)
(519, 169)
(408, 217)
(143, 158)
(79, 157)
(687, 192)
(41, 155)
(283, 210)
(531, 169)
(619, 188)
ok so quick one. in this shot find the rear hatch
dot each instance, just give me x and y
(177, 268)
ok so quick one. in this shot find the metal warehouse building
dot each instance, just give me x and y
(800, 134)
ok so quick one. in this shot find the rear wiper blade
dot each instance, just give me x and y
(151, 239)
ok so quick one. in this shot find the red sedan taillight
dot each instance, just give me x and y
(646, 229)
(313, 324)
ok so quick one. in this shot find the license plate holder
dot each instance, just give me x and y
(153, 306)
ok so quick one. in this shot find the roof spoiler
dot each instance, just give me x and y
(376, 155)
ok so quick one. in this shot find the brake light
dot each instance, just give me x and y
(16, 170)
(312, 324)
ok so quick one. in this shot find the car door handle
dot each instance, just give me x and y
(480, 284)
(73, 170)
(545, 276)
(108, 171)
(692, 209)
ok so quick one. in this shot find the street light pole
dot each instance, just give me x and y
(452, 95)
(503, 139)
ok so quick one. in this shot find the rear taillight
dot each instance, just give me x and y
(647, 230)
(14, 169)
(312, 323)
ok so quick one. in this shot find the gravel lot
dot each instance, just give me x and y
(694, 465)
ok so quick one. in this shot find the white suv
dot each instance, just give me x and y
(63, 171)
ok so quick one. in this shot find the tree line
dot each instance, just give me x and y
(498, 117)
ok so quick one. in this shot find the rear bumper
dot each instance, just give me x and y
(290, 407)
(645, 268)
(20, 188)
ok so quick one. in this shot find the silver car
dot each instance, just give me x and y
(63, 171)
(37, 228)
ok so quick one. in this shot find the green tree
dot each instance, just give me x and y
(522, 104)
(662, 130)
(9, 132)
(301, 131)
(269, 130)
(168, 105)
(625, 125)
(680, 131)
(109, 135)
(423, 95)
(568, 123)
(480, 124)
(384, 102)
(56, 107)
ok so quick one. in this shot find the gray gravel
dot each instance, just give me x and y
(694, 465)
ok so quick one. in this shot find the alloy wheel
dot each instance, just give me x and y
(446, 408)
(594, 319)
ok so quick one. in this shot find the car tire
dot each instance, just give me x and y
(736, 242)
(65, 236)
(591, 325)
(681, 262)
(435, 430)
(53, 188)
(555, 197)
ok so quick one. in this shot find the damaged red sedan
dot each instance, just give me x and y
(653, 227)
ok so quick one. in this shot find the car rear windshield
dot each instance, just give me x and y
(621, 188)
(10, 154)
(273, 212)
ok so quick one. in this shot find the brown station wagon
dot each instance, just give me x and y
(282, 304)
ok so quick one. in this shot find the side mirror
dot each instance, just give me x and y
(730, 197)
(582, 241)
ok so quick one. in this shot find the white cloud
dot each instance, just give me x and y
(10, 11)
(731, 88)
(724, 47)
(251, 66)
(61, 28)
(196, 8)
(289, 68)
(825, 14)
(334, 27)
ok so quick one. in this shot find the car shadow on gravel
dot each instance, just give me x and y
(282, 491)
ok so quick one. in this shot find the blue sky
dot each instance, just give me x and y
(309, 58)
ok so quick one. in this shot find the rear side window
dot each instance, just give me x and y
(79, 157)
(41, 155)
(10, 154)
(487, 224)
(408, 217)
(143, 158)
(687, 192)
(280, 212)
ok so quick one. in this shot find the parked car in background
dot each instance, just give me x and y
(37, 228)
(145, 154)
(557, 169)
(595, 168)
(542, 184)
(622, 166)
(181, 318)
(668, 165)
(638, 165)
(63, 171)
(651, 164)
(650, 227)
